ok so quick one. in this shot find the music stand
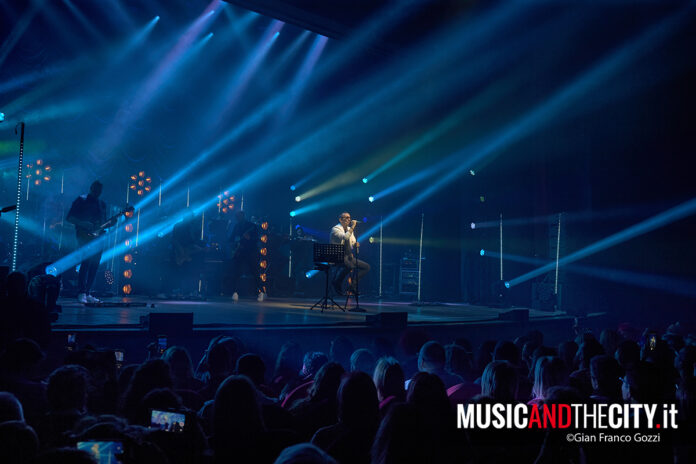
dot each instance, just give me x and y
(326, 255)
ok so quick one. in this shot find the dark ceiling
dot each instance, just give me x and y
(409, 20)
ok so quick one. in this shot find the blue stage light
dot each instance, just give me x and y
(365, 219)
(298, 198)
(312, 273)
(292, 214)
(472, 172)
(2, 117)
(371, 198)
(507, 284)
(364, 180)
(482, 252)
(473, 225)
(292, 187)
(157, 18)
(51, 270)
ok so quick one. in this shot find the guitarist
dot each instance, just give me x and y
(188, 256)
(245, 253)
(88, 214)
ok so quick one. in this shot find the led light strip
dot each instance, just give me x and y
(19, 198)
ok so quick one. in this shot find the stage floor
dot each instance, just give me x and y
(275, 312)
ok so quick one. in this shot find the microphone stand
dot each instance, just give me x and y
(357, 281)
(356, 293)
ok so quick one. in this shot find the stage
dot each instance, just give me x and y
(264, 327)
(223, 313)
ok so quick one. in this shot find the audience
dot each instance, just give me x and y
(349, 441)
(549, 371)
(10, 408)
(362, 360)
(389, 380)
(432, 359)
(320, 407)
(606, 383)
(499, 382)
(354, 406)
(181, 369)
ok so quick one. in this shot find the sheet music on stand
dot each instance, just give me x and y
(328, 253)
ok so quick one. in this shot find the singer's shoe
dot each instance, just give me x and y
(82, 298)
(261, 297)
(235, 297)
(92, 299)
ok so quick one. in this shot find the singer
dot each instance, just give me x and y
(343, 233)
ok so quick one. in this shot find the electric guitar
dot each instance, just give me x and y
(99, 230)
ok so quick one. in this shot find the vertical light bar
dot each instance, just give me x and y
(420, 257)
(188, 196)
(137, 229)
(19, 197)
(127, 192)
(290, 254)
(558, 254)
(28, 183)
(501, 246)
(202, 224)
(380, 256)
(242, 205)
(62, 183)
(159, 201)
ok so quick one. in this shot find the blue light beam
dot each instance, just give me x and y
(667, 217)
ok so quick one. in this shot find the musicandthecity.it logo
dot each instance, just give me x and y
(565, 416)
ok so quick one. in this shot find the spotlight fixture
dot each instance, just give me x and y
(225, 202)
(371, 240)
(264, 261)
(298, 198)
(292, 187)
(141, 183)
(364, 179)
(482, 252)
(292, 213)
(41, 174)
(371, 198)
(473, 225)
(472, 172)
(507, 284)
